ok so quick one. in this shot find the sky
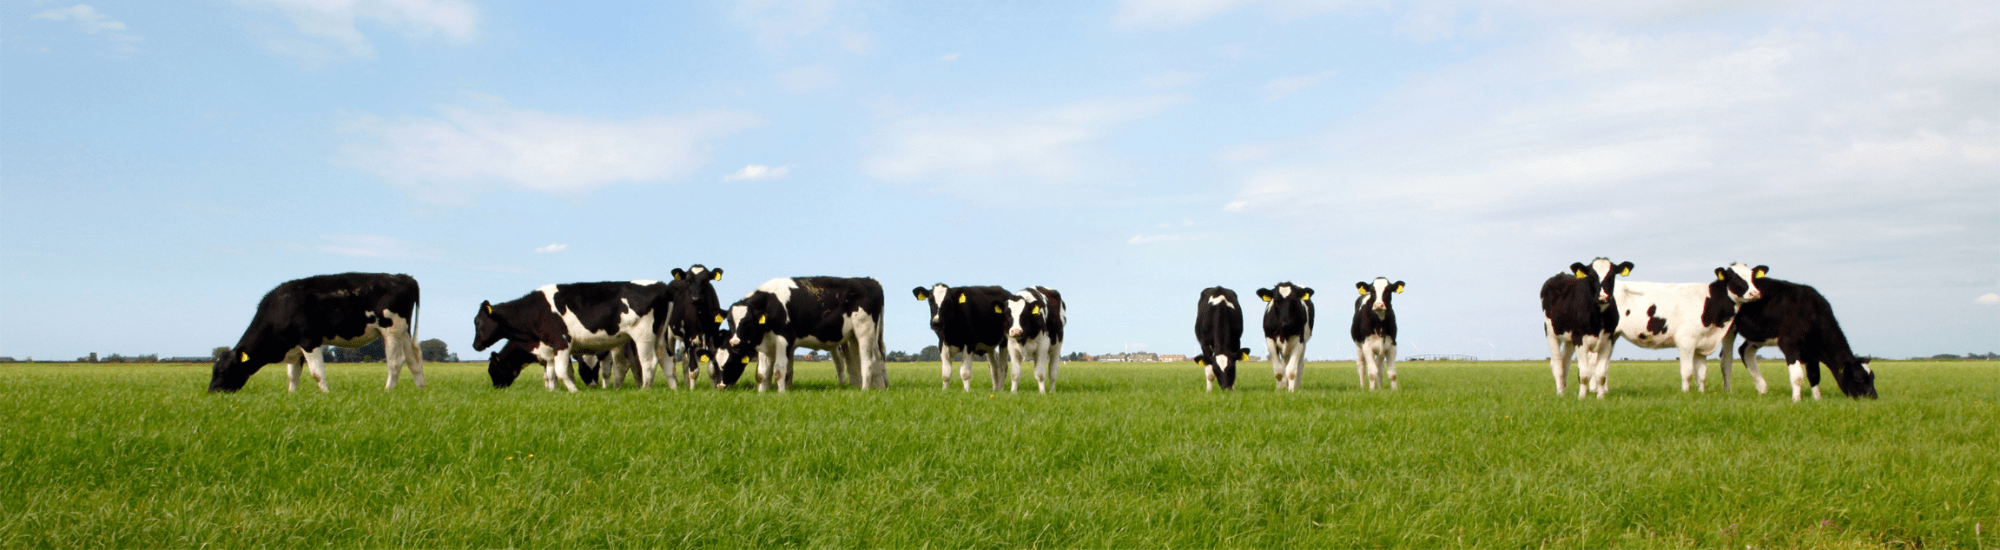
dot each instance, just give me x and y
(164, 164)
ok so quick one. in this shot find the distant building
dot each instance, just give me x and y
(1175, 358)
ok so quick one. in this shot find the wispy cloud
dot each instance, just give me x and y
(551, 249)
(1046, 145)
(1280, 88)
(1146, 239)
(785, 24)
(800, 80)
(369, 246)
(468, 149)
(94, 22)
(330, 32)
(756, 172)
(1169, 79)
(1987, 299)
(950, 57)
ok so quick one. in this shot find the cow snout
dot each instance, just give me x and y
(1379, 306)
(1752, 295)
(1014, 332)
(734, 341)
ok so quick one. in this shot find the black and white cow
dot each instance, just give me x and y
(298, 319)
(1695, 318)
(1374, 332)
(503, 366)
(1218, 326)
(1035, 319)
(1288, 325)
(561, 320)
(1798, 320)
(1580, 315)
(836, 314)
(968, 320)
(695, 320)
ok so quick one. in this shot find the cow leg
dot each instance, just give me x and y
(1749, 356)
(1055, 362)
(1559, 349)
(1389, 362)
(1014, 367)
(996, 364)
(1297, 365)
(781, 368)
(1701, 371)
(855, 361)
(1599, 368)
(1042, 380)
(316, 363)
(294, 360)
(764, 364)
(1687, 369)
(1277, 361)
(559, 371)
(1211, 372)
(1728, 347)
(874, 370)
(1812, 375)
(1798, 376)
(965, 369)
(1360, 366)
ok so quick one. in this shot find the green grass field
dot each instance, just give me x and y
(1466, 455)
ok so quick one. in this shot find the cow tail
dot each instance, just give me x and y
(416, 307)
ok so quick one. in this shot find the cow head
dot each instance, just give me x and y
(487, 327)
(726, 364)
(1854, 377)
(1602, 277)
(234, 368)
(1741, 281)
(1288, 309)
(1376, 295)
(1027, 314)
(753, 317)
(503, 366)
(1218, 365)
(934, 297)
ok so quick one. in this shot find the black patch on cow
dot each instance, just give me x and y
(1219, 330)
(305, 313)
(503, 366)
(1287, 316)
(597, 307)
(978, 324)
(1571, 305)
(1801, 322)
(817, 308)
(692, 318)
(1655, 324)
(1718, 309)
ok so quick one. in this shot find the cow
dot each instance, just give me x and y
(1288, 325)
(503, 366)
(1035, 319)
(1580, 315)
(694, 321)
(298, 319)
(564, 319)
(1798, 320)
(837, 314)
(1374, 332)
(1695, 318)
(968, 320)
(1218, 326)
(726, 361)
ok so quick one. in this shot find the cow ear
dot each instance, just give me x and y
(1245, 352)
(1625, 269)
(1361, 288)
(1308, 296)
(1264, 293)
(1720, 274)
(718, 318)
(996, 307)
(1399, 287)
(961, 298)
(486, 306)
(678, 274)
(1037, 310)
(1760, 271)
(1577, 268)
(921, 294)
(717, 276)
(762, 318)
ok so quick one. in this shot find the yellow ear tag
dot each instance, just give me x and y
(1580, 275)
(1627, 272)
(1756, 274)
(1308, 297)
(1037, 310)
(246, 357)
(961, 298)
(996, 309)
(1266, 298)
(718, 275)
(1246, 356)
(1399, 289)
(677, 276)
(718, 317)
(489, 309)
(761, 318)
(1362, 291)
(1719, 277)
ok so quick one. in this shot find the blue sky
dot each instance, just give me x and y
(163, 164)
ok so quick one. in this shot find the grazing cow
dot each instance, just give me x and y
(561, 320)
(1288, 325)
(1218, 325)
(1798, 320)
(298, 319)
(726, 362)
(1374, 332)
(694, 321)
(1580, 314)
(1035, 319)
(1695, 318)
(968, 320)
(837, 314)
(505, 365)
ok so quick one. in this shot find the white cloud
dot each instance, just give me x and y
(330, 26)
(445, 158)
(1145, 239)
(756, 172)
(1177, 13)
(369, 246)
(808, 78)
(1987, 299)
(93, 22)
(782, 24)
(1041, 145)
(950, 57)
(1280, 88)
(551, 249)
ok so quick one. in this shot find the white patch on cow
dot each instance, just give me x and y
(780, 287)
(1681, 306)
(1749, 276)
(1220, 300)
(645, 282)
(1378, 303)
(549, 295)
(937, 299)
(1285, 291)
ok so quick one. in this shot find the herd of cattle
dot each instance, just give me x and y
(601, 333)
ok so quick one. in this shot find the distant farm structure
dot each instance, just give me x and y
(1441, 357)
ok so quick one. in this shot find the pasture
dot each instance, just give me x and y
(1466, 455)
